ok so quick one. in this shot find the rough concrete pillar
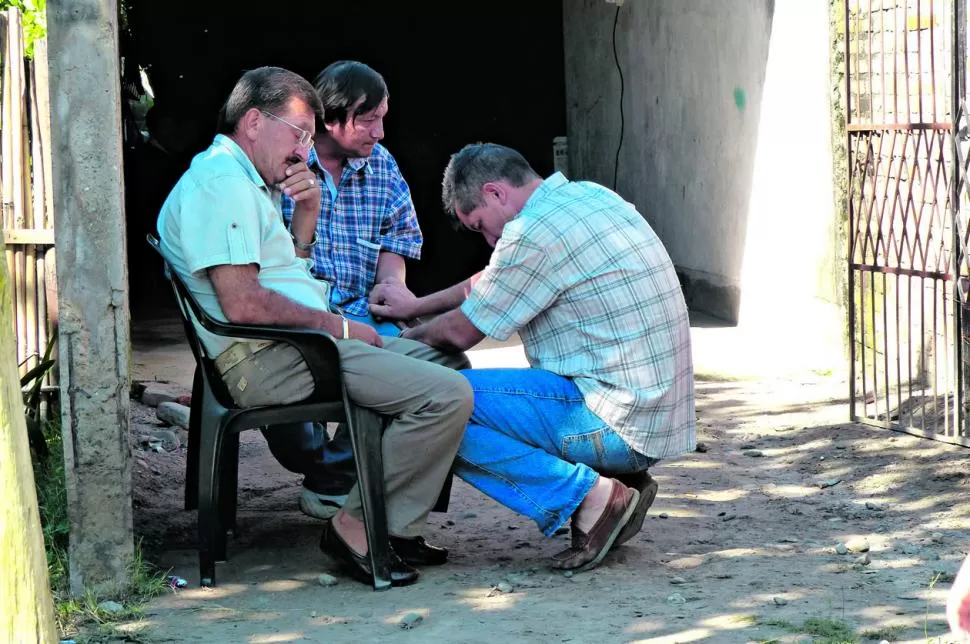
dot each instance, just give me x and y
(93, 287)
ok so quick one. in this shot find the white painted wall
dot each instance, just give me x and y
(727, 154)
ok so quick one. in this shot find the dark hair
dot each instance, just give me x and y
(342, 84)
(477, 164)
(266, 88)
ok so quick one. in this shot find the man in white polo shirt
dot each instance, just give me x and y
(222, 232)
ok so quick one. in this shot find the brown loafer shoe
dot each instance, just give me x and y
(643, 483)
(588, 549)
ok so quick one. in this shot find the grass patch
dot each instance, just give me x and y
(52, 502)
(889, 633)
(823, 631)
(71, 613)
(831, 629)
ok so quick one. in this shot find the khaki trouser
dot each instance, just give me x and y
(425, 407)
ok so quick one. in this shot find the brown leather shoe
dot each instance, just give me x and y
(588, 549)
(643, 483)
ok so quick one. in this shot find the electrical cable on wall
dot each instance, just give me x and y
(616, 59)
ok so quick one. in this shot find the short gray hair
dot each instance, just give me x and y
(475, 165)
(268, 89)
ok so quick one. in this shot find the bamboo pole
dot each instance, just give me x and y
(40, 138)
(50, 289)
(6, 153)
(42, 132)
(30, 250)
(15, 126)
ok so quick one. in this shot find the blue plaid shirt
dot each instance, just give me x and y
(370, 211)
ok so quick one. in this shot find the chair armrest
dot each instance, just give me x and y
(319, 350)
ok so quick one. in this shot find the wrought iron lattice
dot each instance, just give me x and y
(905, 62)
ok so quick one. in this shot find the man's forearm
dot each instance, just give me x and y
(445, 300)
(265, 306)
(390, 268)
(451, 331)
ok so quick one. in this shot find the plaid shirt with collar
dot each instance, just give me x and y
(371, 213)
(593, 295)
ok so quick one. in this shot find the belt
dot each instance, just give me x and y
(239, 352)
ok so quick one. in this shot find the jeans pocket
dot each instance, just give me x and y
(604, 451)
(588, 449)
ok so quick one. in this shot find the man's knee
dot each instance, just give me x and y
(458, 395)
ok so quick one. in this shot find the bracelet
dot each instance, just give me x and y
(346, 327)
(300, 245)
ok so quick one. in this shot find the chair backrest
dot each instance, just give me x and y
(189, 308)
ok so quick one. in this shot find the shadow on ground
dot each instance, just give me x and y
(741, 544)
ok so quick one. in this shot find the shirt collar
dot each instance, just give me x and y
(237, 153)
(549, 184)
(355, 163)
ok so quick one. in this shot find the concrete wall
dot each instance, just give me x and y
(726, 150)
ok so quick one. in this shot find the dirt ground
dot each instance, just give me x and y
(742, 544)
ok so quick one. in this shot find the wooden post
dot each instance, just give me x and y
(92, 285)
(43, 192)
(9, 26)
(39, 140)
(26, 608)
(15, 128)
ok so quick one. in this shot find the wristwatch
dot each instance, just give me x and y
(300, 245)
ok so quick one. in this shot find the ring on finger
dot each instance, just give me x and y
(311, 182)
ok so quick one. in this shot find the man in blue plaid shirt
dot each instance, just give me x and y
(367, 224)
(366, 228)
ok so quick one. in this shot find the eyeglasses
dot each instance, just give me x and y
(305, 137)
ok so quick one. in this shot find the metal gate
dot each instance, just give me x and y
(908, 204)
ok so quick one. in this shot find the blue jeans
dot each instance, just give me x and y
(534, 446)
(303, 448)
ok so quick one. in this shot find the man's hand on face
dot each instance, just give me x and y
(302, 186)
(364, 333)
(392, 300)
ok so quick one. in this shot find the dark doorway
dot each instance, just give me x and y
(457, 73)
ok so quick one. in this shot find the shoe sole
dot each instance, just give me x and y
(624, 520)
(356, 573)
(647, 495)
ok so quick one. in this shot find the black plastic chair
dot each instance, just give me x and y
(215, 423)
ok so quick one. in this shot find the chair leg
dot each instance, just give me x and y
(369, 461)
(195, 431)
(229, 485)
(211, 534)
(444, 499)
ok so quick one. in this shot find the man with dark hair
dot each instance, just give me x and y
(581, 277)
(366, 228)
(367, 224)
(222, 232)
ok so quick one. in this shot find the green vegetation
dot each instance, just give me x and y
(34, 20)
(823, 631)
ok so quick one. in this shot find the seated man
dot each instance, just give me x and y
(583, 279)
(222, 232)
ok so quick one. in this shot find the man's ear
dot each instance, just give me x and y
(250, 123)
(495, 190)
